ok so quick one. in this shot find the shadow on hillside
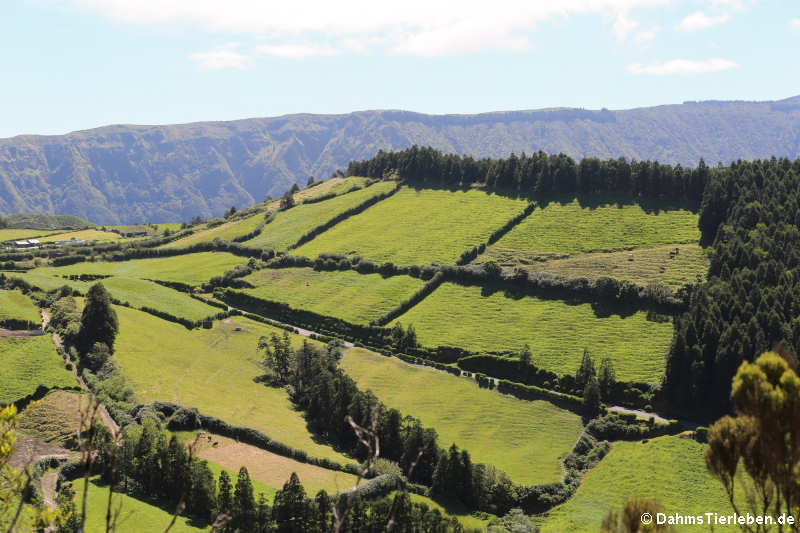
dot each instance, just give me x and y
(650, 205)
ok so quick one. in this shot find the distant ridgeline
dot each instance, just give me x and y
(539, 174)
(749, 214)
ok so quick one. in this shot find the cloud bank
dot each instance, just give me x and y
(681, 67)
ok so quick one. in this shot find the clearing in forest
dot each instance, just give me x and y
(488, 319)
(29, 363)
(527, 440)
(417, 227)
(213, 370)
(671, 470)
(290, 225)
(357, 298)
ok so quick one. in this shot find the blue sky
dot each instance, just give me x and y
(76, 64)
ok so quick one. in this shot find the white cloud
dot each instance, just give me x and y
(682, 67)
(416, 27)
(623, 26)
(222, 57)
(795, 24)
(296, 50)
(700, 21)
(645, 36)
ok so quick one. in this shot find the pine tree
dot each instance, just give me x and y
(586, 371)
(243, 513)
(224, 498)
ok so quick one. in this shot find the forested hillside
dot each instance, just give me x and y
(129, 174)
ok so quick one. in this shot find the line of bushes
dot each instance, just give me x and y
(470, 255)
(256, 232)
(284, 313)
(412, 300)
(16, 323)
(532, 392)
(181, 418)
(628, 426)
(343, 216)
(372, 489)
(279, 325)
(622, 393)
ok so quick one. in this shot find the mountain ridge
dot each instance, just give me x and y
(132, 173)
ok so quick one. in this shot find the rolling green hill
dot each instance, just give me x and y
(29, 363)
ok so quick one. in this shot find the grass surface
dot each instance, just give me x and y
(271, 469)
(55, 419)
(14, 304)
(527, 440)
(85, 234)
(140, 293)
(12, 234)
(669, 469)
(227, 231)
(290, 225)
(455, 509)
(648, 264)
(135, 515)
(347, 294)
(479, 320)
(192, 269)
(418, 227)
(27, 363)
(211, 370)
(608, 223)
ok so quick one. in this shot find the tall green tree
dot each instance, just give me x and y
(99, 321)
(586, 370)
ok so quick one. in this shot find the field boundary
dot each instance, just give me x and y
(344, 215)
(189, 418)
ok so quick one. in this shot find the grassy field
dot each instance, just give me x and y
(140, 293)
(557, 331)
(669, 469)
(290, 225)
(227, 231)
(527, 440)
(27, 363)
(455, 509)
(135, 515)
(11, 234)
(192, 269)
(14, 304)
(649, 264)
(85, 234)
(348, 295)
(212, 370)
(55, 419)
(418, 227)
(270, 469)
(608, 224)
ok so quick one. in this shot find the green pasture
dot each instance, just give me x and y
(418, 227)
(226, 232)
(484, 319)
(290, 225)
(191, 269)
(135, 515)
(671, 470)
(15, 305)
(455, 509)
(212, 370)
(598, 224)
(28, 363)
(348, 295)
(84, 234)
(13, 234)
(638, 265)
(141, 293)
(527, 440)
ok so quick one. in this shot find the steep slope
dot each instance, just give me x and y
(127, 174)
